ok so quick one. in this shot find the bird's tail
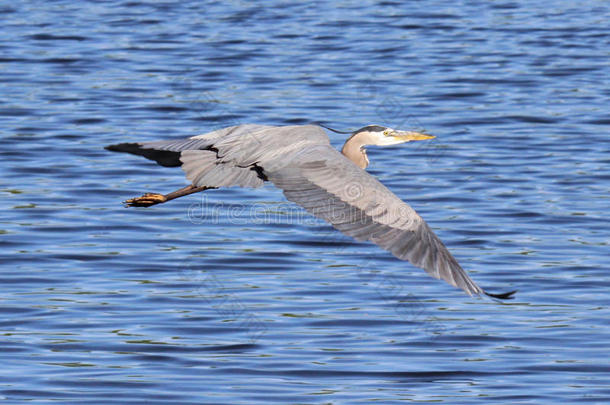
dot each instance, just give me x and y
(163, 157)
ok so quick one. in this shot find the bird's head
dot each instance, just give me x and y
(354, 147)
(382, 136)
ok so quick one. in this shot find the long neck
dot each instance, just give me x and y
(354, 150)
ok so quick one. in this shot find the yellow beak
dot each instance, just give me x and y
(405, 136)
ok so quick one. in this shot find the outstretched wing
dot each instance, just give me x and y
(331, 187)
(228, 156)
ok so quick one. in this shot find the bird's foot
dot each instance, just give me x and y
(146, 200)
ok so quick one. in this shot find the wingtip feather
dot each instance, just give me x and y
(502, 296)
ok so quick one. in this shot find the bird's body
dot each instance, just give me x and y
(329, 184)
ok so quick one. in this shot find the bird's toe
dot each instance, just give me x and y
(145, 200)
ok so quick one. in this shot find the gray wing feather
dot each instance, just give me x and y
(215, 159)
(226, 157)
(178, 145)
(202, 168)
(205, 141)
(332, 188)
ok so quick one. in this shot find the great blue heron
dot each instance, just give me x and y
(329, 184)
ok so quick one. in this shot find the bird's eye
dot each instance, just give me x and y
(386, 132)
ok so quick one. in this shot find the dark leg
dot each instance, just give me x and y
(149, 199)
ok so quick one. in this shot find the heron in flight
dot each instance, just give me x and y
(329, 184)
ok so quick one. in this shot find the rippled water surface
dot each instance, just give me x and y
(239, 297)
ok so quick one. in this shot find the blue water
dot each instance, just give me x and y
(239, 297)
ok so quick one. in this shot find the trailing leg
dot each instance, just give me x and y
(149, 199)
